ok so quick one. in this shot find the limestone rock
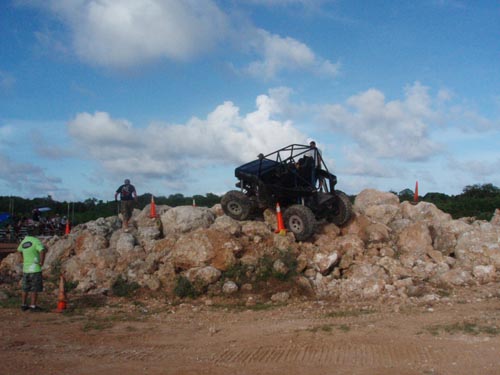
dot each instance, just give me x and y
(185, 219)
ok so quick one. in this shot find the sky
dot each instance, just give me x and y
(175, 94)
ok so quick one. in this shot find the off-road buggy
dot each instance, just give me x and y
(297, 178)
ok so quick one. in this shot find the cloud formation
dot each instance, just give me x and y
(286, 54)
(27, 177)
(167, 151)
(132, 32)
(394, 129)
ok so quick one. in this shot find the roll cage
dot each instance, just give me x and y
(288, 175)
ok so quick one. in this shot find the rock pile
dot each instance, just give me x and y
(388, 250)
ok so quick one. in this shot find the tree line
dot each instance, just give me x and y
(92, 208)
(479, 201)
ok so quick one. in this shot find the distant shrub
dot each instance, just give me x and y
(184, 288)
(123, 288)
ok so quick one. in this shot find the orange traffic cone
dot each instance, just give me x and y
(281, 226)
(415, 197)
(152, 214)
(61, 300)
(67, 227)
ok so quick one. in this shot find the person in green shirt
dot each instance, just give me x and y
(33, 253)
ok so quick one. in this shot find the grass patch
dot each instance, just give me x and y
(266, 271)
(328, 328)
(467, 328)
(348, 313)
(124, 288)
(344, 328)
(184, 288)
(13, 299)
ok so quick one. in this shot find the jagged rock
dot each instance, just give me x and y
(229, 287)
(371, 197)
(302, 263)
(184, 219)
(217, 210)
(375, 233)
(423, 211)
(201, 248)
(382, 213)
(479, 246)
(280, 297)
(280, 267)
(258, 229)
(495, 220)
(201, 277)
(456, 277)
(365, 281)
(325, 262)
(415, 240)
(228, 225)
(349, 247)
(304, 284)
(192, 250)
(285, 242)
(445, 234)
(484, 274)
(387, 250)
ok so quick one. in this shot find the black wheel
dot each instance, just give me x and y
(237, 205)
(341, 210)
(300, 220)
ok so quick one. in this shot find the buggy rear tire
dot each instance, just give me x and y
(341, 211)
(236, 205)
(300, 221)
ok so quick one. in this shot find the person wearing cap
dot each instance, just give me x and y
(128, 196)
(33, 253)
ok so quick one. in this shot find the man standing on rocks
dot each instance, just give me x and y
(33, 252)
(128, 196)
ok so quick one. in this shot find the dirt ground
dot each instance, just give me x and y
(460, 334)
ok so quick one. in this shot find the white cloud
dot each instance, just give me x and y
(469, 120)
(394, 129)
(130, 32)
(26, 177)
(479, 169)
(285, 54)
(361, 164)
(169, 151)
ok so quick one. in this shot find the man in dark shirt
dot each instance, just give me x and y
(128, 197)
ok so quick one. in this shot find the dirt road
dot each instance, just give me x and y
(456, 336)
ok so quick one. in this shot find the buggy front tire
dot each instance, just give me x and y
(300, 221)
(236, 205)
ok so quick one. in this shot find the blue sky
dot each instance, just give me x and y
(174, 94)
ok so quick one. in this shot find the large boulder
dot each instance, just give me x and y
(184, 219)
(203, 248)
(366, 203)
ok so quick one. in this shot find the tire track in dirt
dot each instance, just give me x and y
(364, 355)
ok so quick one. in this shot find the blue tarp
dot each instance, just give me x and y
(4, 216)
